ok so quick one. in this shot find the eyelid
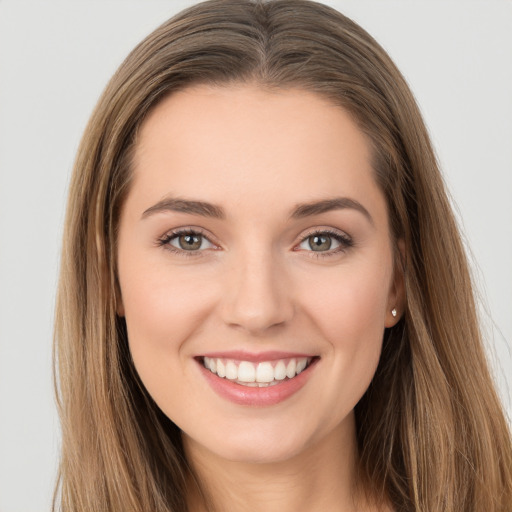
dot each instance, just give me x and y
(177, 239)
(345, 241)
(164, 240)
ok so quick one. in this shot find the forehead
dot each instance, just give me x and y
(235, 143)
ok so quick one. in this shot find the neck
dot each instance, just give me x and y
(321, 477)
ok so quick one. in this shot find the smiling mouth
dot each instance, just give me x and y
(257, 374)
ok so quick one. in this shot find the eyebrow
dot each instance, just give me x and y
(186, 206)
(300, 211)
(327, 205)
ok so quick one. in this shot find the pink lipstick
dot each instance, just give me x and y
(261, 379)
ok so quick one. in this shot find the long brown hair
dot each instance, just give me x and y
(431, 432)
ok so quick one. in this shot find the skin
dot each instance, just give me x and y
(256, 285)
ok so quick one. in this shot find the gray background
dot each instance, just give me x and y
(55, 59)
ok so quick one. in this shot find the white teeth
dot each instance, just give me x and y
(291, 368)
(301, 364)
(256, 374)
(246, 372)
(231, 371)
(221, 369)
(280, 371)
(210, 363)
(264, 372)
(258, 384)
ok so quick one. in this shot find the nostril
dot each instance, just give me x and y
(258, 318)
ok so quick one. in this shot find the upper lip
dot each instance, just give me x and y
(242, 355)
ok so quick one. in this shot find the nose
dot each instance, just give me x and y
(257, 294)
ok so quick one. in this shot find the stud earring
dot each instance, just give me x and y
(393, 312)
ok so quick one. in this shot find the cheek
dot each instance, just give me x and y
(350, 308)
(163, 309)
(349, 314)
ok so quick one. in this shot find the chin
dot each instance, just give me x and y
(257, 445)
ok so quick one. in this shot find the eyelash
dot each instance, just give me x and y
(166, 239)
(344, 240)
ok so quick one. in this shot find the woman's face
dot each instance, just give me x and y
(254, 240)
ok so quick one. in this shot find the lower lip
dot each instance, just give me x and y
(246, 395)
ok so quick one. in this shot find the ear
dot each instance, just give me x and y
(396, 298)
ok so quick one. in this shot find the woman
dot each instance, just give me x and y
(264, 299)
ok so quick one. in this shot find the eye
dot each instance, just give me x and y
(318, 242)
(189, 241)
(325, 242)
